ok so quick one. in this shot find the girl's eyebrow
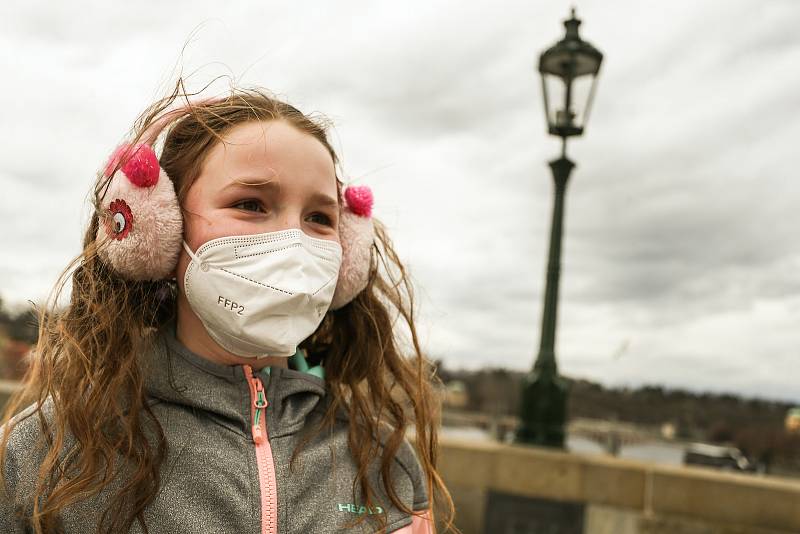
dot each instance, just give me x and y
(243, 182)
(318, 197)
(324, 200)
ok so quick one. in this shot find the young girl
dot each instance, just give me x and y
(228, 361)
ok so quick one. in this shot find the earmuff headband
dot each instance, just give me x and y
(141, 228)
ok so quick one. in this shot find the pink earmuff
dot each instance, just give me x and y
(356, 234)
(141, 226)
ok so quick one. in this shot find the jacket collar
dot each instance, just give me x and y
(174, 374)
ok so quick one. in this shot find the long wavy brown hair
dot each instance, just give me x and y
(86, 356)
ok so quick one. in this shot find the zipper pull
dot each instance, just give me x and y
(260, 402)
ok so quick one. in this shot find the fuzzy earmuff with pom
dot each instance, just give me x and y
(356, 234)
(141, 227)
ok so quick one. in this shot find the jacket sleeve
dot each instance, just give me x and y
(21, 462)
(10, 522)
(421, 522)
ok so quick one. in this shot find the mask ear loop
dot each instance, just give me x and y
(203, 266)
(190, 253)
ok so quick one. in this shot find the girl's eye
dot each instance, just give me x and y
(249, 205)
(320, 218)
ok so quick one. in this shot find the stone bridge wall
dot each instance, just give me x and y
(611, 496)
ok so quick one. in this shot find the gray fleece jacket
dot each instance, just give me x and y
(231, 433)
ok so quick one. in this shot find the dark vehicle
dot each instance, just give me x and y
(720, 457)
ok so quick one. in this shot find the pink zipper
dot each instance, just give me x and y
(266, 464)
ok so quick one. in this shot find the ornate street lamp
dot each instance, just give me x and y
(569, 72)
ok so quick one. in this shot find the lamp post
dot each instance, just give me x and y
(569, 72)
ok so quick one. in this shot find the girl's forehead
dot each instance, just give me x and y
(269, 150)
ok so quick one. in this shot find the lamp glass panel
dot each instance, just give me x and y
(555, 96)
(581, 91)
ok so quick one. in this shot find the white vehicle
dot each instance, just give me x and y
(719, 456)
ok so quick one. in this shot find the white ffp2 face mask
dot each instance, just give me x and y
(261, 295)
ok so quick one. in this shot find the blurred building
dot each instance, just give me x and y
(668, 431)
(455, 394)
(793, 421)
(12, 357)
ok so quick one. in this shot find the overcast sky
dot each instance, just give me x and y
(681, 253)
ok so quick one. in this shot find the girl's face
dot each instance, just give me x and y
(297, 190)
(300, 191)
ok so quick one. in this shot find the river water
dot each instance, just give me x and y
(657, 452)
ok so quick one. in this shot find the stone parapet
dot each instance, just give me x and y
(637, 497)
